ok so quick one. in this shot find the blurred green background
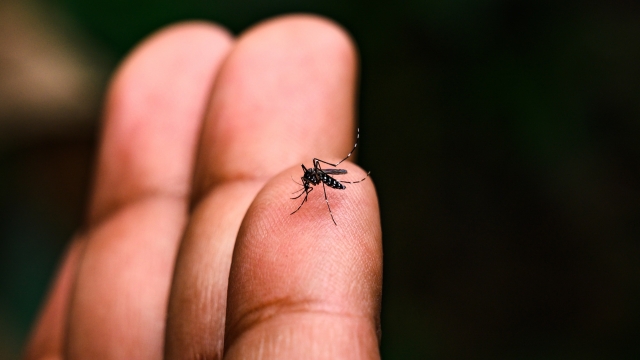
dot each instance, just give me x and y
(503, 136)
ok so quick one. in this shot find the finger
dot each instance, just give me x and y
(285, 93)
(302, 287)
(153, 114)
(47, 337)
(139, 208)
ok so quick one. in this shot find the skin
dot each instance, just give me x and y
(189, 249)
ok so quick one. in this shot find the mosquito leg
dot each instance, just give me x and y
(304, 188)
(316, 161)
(355, 182)
(303, 201)
(327, 200)
(301, 192)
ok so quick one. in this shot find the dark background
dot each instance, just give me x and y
(503, 137)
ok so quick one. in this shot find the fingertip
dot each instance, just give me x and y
(354, 209)
(153, 111)
(196, 42)
(286, 89)
(287, 265)
(328, 36)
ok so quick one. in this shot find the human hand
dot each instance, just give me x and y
(189, 249)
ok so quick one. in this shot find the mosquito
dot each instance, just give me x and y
(316, 175)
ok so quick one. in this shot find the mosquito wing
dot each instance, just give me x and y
(334, 171)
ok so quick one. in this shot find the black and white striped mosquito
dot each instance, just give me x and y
(316, 175)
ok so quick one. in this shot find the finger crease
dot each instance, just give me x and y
(282, 307)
